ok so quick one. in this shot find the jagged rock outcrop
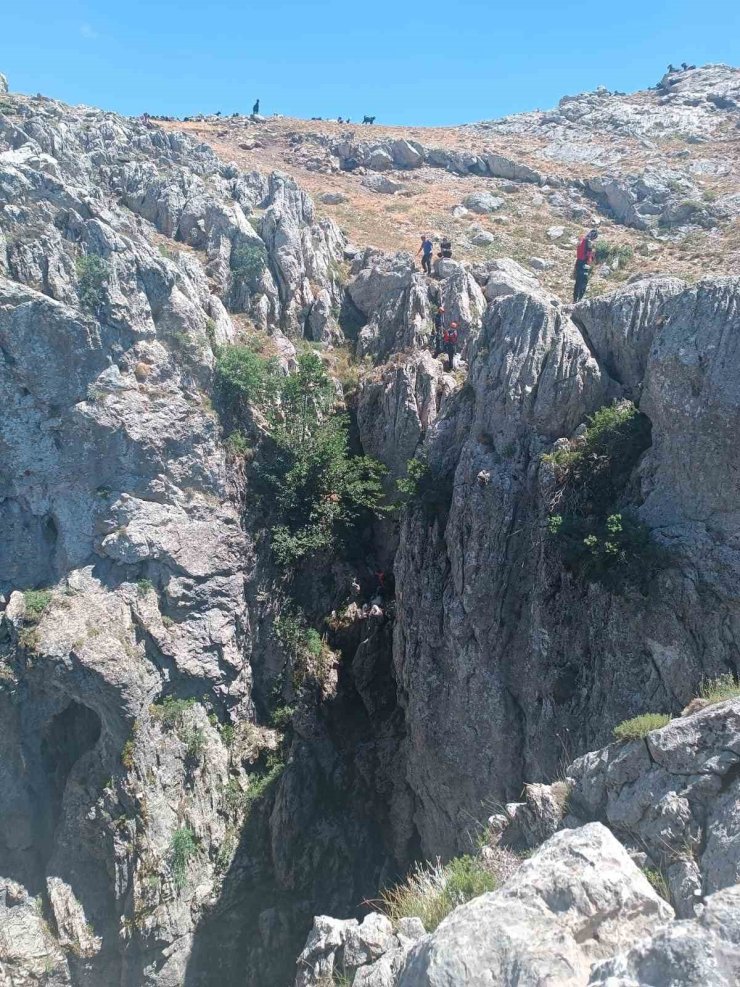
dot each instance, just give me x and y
(575, 902)
(706, 951)
(397, 404)
(481, 607)
(405, 154)
(151, 831)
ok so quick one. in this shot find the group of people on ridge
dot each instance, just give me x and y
(446, 336)
(427, 250)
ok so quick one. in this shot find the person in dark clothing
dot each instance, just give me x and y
(425, 250)
(445, 247)
(256, 108)
(439, 317)
(584, 260)
(450, 342)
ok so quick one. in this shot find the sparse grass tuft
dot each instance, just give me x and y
(640, 726)
(658, 881)
(720, 689)
(170, 711)
(431, 891)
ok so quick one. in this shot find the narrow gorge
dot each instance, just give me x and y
(290, 611)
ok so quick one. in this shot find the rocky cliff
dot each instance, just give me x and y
(204, 747)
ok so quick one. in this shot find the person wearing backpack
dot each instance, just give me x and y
(584, 260)
(450, 342)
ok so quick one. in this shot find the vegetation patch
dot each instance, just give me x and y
(127, 754)
(720, 689)
(144, 586)
(169, 712)
(93, 273)
(431, 891)
(595, 538)
(36, 601)
(261, 783)
(248, 263)
(309, 483)
(658, 881)
(308, 654)
(411, 485)
(615, 254)
(183, 848)
(640, 726)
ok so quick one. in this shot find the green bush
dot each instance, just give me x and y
(719, 689)
(170, 710)
(92, 276)
(237, 445)
(144, 586)
(607, 253)
(282, 717)
(36, 601)
(234, 799)
(260, 784)
(640, 726)
(244, 377)
(308, 654)
(228, 734)
(195, 741)
(319, 491)
(417, 470)
(183, 848)
(127, 754)
(310, 485)
(591, 476)
(432, 891)
(248, 262)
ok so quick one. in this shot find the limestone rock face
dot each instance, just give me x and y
(29, 953)
(117, 510)
(705, 951)
(573, 903)
(397, 405)
(643, 791)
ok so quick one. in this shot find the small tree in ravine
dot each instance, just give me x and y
(313, 489)
(320, 491)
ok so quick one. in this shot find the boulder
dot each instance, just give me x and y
(700, 953)
(333, 198)
(576, 901)
(382, 184)
(483, 202)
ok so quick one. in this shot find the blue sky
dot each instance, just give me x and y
(406, 62)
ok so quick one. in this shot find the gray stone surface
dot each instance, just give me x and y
(574, 902)
(702, 953)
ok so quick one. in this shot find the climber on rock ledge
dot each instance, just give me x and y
(584, 260)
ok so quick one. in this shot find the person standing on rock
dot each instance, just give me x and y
(425, 250)
(439, 316)
(256, 109)
(450, 342)
(584, 260)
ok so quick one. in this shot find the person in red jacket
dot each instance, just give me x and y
(450, 342)
(584, 260)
